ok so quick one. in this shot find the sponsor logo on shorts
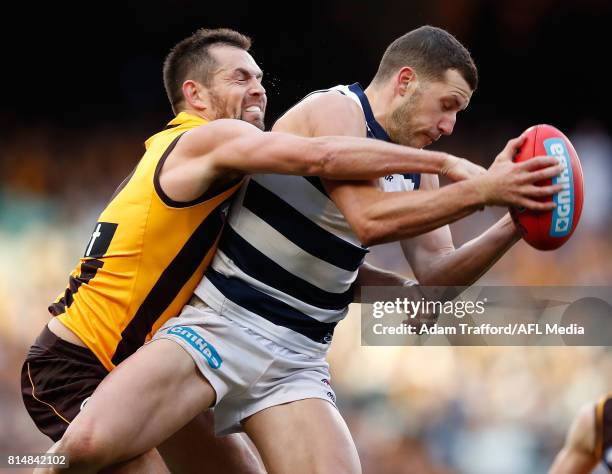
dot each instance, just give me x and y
(563, 214)
(199, 344)
(330, 394)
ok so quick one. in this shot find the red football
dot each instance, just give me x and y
(549, 230)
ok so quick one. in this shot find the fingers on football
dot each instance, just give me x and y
(533, 205)
(513, 146)
(543, 174)
(538, 162)
(541, 191)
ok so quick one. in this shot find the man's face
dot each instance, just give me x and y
(236, 91)
(430, 111)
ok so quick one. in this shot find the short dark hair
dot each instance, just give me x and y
(191, 58)
(430, 51)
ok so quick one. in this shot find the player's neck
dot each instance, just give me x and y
(380, 100)
(198, 113)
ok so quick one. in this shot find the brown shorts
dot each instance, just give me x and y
(56, 378)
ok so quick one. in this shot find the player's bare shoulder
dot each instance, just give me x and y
(190, 168)
(323, 113)
(204, 139)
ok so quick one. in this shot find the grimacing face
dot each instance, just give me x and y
(430, 111)
(236, 91)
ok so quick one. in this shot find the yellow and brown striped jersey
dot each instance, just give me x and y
(145, 257)
(603, 427)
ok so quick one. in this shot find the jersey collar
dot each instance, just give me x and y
(377, 130)
(182, 120)
(187, 120)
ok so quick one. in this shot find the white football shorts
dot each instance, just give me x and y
(248, 372)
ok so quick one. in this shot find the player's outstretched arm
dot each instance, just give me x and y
(378, 217)
(240, 147)
(578, 454)
(226, 149)
(331, 157)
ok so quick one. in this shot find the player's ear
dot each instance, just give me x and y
(195, 95)
(406, 80)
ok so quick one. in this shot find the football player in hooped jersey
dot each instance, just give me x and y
(262, 319)
(589, 440)
(159, 231)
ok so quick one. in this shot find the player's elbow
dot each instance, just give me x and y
(431, 271)
(425, 277)
(289, 154)
(321, 159)
(374, 227)
(369, 231)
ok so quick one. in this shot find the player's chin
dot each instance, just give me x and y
(419, 141)
(426, 140)
(415, 140)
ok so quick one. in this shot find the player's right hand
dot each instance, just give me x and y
(514, 184)
(458, 169)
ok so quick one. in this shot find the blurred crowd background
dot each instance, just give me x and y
(80, 96)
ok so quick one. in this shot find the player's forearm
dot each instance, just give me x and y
(364, 158)
(469, 262)
(401, 215)
(335, 158)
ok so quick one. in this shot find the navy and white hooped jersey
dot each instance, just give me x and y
(287, 258)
